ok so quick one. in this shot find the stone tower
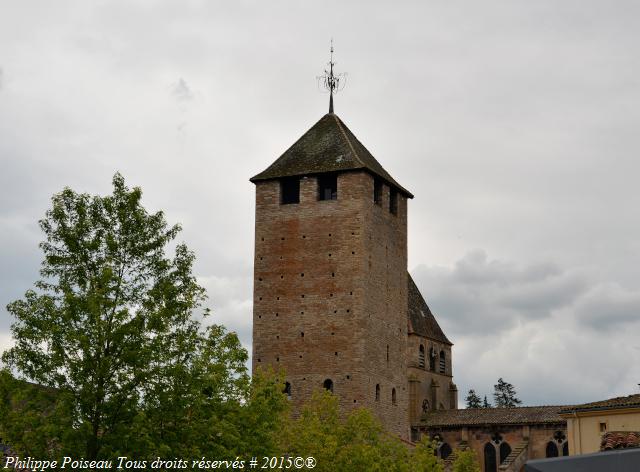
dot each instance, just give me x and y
(330, 277)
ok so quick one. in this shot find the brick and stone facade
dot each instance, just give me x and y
(504, 439)
(330, 294)
(331, 288)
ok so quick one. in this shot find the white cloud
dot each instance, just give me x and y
(481, 296)
(6, 342)
(181, 91)
(231, 303)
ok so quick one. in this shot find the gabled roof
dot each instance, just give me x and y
(630, 401)
(522, 415)
(421, 320)
(329, 146)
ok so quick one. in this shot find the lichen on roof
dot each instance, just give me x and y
(329, 146)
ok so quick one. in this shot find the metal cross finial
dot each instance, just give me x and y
(332, 82)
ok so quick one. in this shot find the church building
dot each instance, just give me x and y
(334, 305)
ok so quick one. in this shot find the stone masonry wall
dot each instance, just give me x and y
(385, 240)
(476, 437)
(330, 294)
(430, 385)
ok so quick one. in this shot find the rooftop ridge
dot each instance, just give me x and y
(489, 416)
(628, 401)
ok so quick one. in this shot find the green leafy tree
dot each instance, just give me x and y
(355, 443)
(424, 457)
(465, 461)
(504, 395)
(473, 400)
(35, 416)
(109, 329)
(485, 403)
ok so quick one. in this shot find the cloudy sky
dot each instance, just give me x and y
(514, 123)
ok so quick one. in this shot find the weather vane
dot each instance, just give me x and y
(333, 83)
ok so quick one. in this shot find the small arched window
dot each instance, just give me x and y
(394, 400)
(443, 363)
(377, 392)
(328, 385)
(421, 356)
(552, 449)
(432, 359)
(425, 405)
(287, 390)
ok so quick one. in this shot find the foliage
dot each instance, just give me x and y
(264, 413)
(465, 461)
(354, 444)
(473, 400)
(37, 417)
(504, 395)
(485, 403)
(424, 457)
(109, 329)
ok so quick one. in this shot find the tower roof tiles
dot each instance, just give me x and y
(329, 146)
(421, 320)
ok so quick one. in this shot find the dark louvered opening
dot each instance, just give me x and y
(290, 190)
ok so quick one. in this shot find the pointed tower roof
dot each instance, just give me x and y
(329, 146)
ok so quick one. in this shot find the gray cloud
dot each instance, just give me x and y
(488, 296)
(609, 308)
(537, 326)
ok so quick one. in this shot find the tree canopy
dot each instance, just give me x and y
(355, 443)
(112, 359)
(504, 395)
(473, 400)
(110, 331)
